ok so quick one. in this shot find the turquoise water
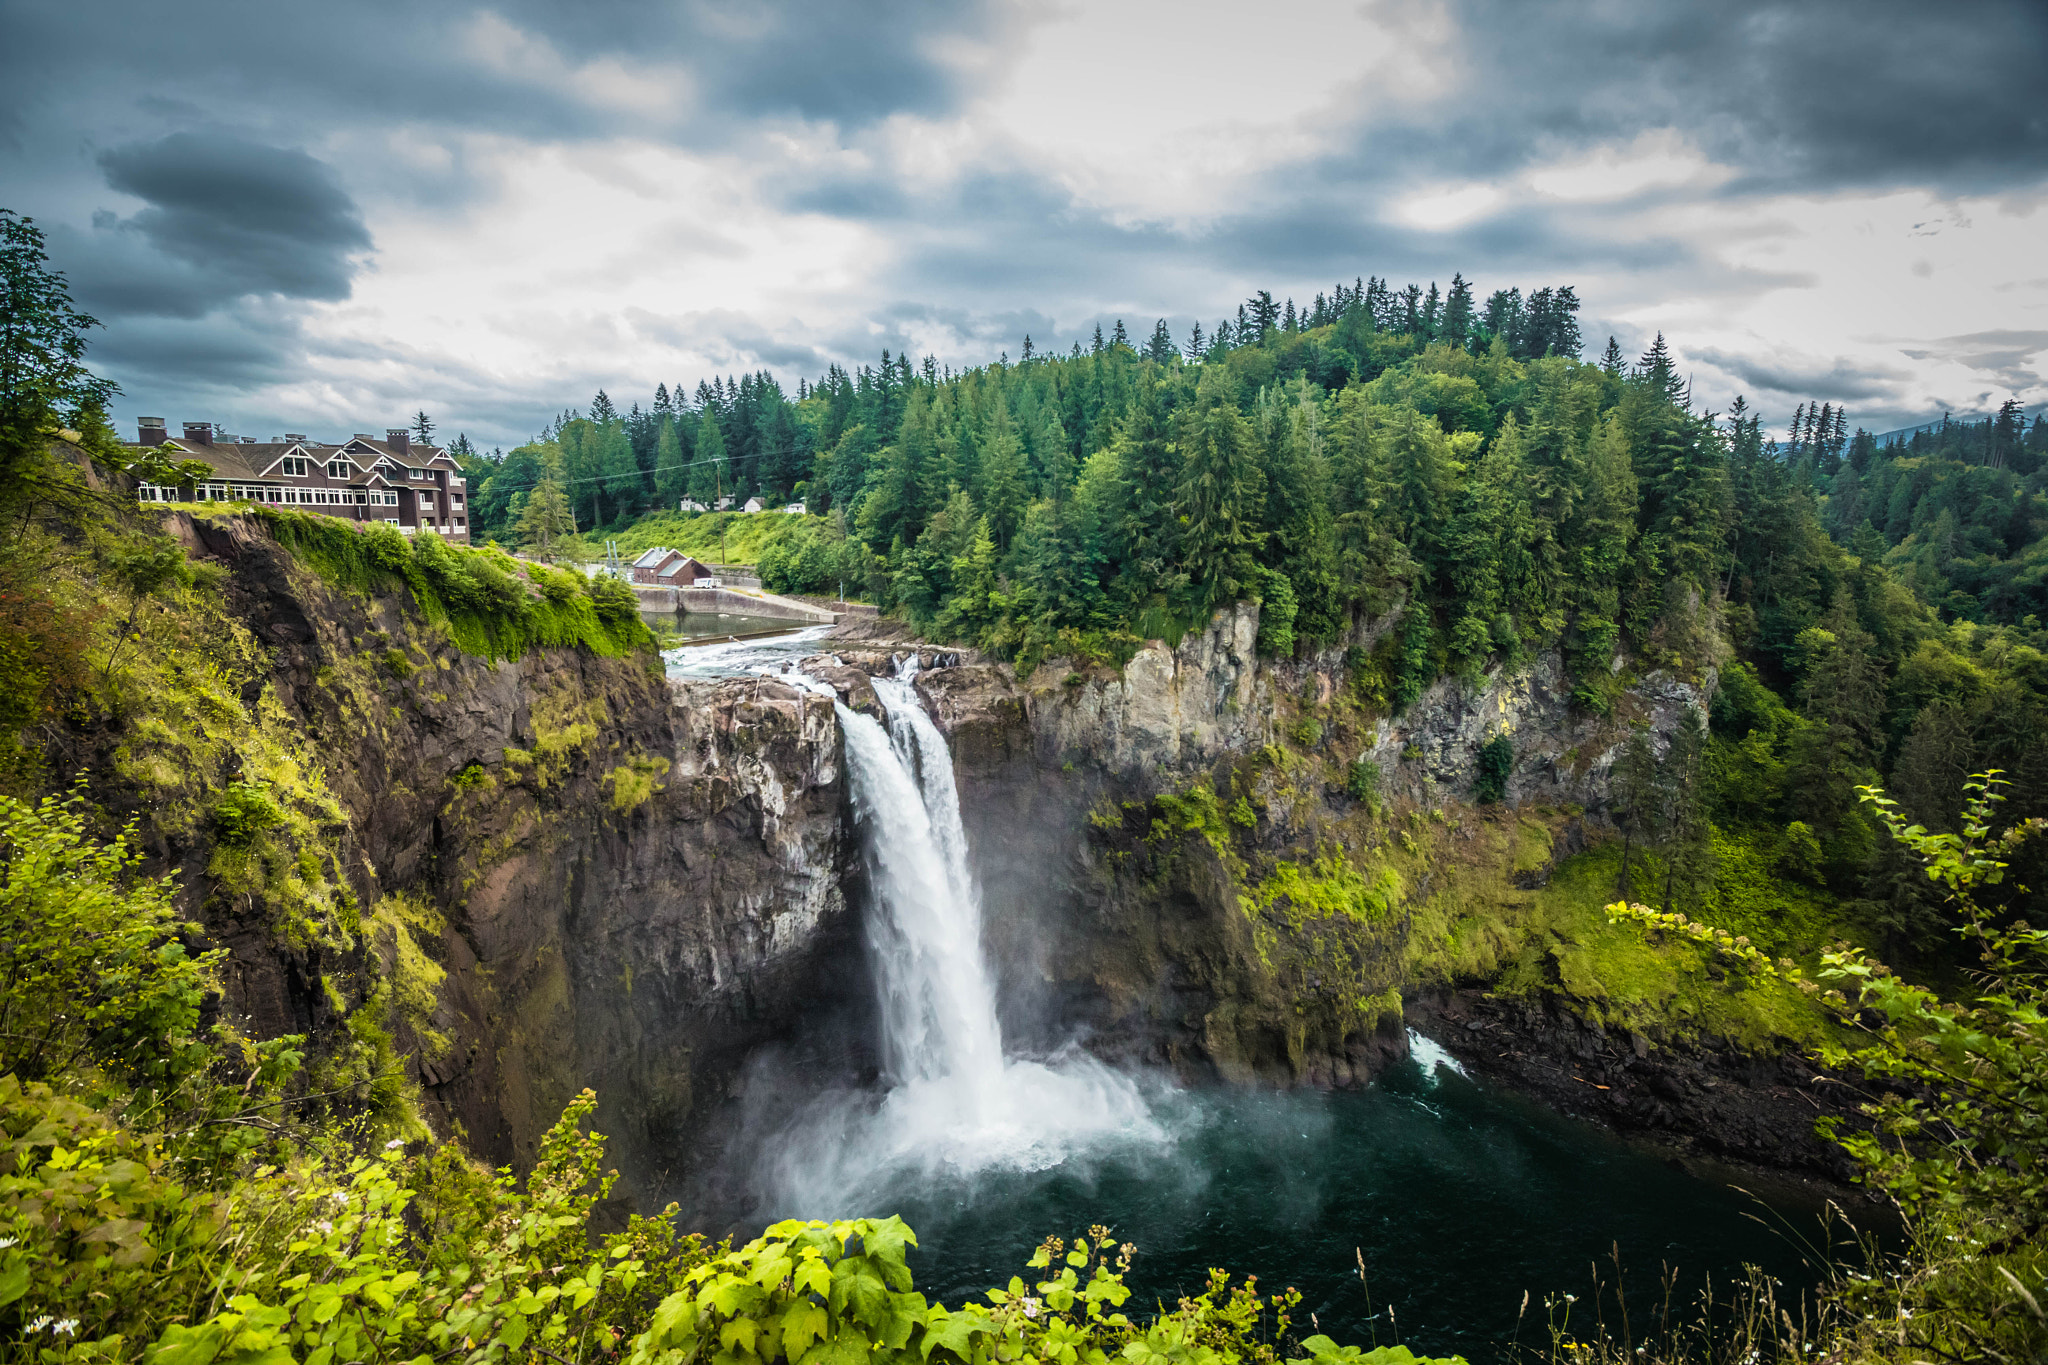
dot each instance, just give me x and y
(1457, 1197)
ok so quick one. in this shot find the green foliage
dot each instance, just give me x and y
(1362, 780)
(93, 975)
(244, 811)
(1958, 1138)
(494, 606)
(1970, 1136)
(44, 384)
(1329, 887)
(1496, 764)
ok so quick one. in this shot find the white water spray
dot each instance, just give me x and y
(956, 1104)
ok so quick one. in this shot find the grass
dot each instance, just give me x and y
(714, 537)
(494, 606)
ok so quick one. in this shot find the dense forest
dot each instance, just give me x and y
(177, 1192)
(1874, 610)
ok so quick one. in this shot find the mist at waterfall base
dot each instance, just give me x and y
(956, 1105)
(1457, 1198)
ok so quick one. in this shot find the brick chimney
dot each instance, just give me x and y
(150, 431)
(399, 439)
(200, 432)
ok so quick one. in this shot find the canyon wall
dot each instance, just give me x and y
(533, 875)
(1255, 924)
(552, 872)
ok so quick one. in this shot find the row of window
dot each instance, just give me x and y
(298, 467)
(321, 497)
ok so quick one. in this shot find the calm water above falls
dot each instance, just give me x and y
(1458, 1197)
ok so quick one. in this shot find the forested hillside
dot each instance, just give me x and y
(1873, 610)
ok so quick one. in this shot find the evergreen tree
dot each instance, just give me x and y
(546, 519)
(1221, 494)
(671, 477)
(1002, 489)
(1148, 539)
(1458, 319)
(710, 477)
(423, 428)
(1160, 348)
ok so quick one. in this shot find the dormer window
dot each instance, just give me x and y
(294, 467)
(337, 469)
(417, 473)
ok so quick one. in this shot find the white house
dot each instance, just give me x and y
(795, 509)
(691, 505)
(752, 505)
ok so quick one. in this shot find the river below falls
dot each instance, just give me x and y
(1458, 1198)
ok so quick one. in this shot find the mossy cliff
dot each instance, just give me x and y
(1250, 870)
(482, 865)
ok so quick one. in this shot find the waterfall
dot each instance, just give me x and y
(956, 1103)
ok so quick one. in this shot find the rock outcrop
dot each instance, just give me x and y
(616, 881)
(1103, 916)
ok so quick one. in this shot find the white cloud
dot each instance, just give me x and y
(1446, 206)
(1656, 159)
(1153, 112)
(657, 91)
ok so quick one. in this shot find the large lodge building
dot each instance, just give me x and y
(412, 486)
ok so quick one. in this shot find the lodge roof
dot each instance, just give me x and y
(258, 460)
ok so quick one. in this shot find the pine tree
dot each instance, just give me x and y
(1119, 337)
(1148, 540)
(1001, 493)
(1221, 494)
(710, 476)
(1195, 350)
(601, 409)
(671, 477)
(423, 428)
(1096, 347)
(1458, 319)
(1611, 359)
(1160, 348)
(547, 517)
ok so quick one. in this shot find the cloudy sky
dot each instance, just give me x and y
(324, 217)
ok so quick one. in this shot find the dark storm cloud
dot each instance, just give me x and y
(1804, 375)
(2008, 355)
(1812, 94)
(223, 218)
(1817, 95)
(743, 342)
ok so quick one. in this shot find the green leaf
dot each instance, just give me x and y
(847, 1346)
(955, 1332)
(858, 1291)
(804, 1323)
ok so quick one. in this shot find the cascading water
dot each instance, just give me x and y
(956, 1104)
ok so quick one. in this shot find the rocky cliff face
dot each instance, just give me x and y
(532, 876)
(1254, 925)
(564, 870)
